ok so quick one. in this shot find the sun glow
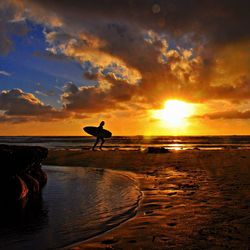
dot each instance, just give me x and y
(175, 113)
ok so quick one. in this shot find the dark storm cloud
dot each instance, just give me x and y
(88, 99)
(95, 99)
(221, 21)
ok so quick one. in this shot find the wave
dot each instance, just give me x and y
(132, 142)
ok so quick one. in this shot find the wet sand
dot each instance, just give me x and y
(191, 199)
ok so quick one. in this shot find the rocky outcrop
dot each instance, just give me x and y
(157, 150)
(21, 172)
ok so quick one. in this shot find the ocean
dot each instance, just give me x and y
(133, 142)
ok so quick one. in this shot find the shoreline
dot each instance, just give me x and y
(192, 199)
(130, 176)
(135, 148)
(138, 143)
(126, 174)
(77, 203)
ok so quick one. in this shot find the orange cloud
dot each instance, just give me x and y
(231, 114)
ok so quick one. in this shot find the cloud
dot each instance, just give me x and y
(9, 119)
(157, 69)
(220, 20)
(237, 91)
(96, 99)
(11, 22)
(171, 57)
(232, 114)
(17, 105)
(90, 50)
(141, 53)
(4, 73)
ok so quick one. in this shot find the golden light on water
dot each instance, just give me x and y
(174, 113)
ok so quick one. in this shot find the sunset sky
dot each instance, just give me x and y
(162, 67)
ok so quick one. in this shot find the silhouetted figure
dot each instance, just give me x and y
(99, 137)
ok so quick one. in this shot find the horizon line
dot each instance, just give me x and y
(124, 135)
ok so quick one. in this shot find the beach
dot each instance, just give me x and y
(191, 199)
(124, 124)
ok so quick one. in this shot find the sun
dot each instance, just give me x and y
(174, 113)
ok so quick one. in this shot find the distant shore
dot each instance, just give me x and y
(192, 199)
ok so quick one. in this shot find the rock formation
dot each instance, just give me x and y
(21, 172)
(157, 150)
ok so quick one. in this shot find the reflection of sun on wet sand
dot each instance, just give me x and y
(192, 199)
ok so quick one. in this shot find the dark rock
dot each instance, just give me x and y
(32, 184)
(13, 189)
(21, 167)
(171, 224)
(109, 241)
(196, 148)
(40, 176)
(20, 159)
(157, 150)
(23, 189)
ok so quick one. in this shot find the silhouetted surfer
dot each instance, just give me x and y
(99, 132)
(99, 137)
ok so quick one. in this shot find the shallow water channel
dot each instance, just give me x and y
(75, 205)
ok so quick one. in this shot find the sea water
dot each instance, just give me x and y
(75, 205)
(133, 142)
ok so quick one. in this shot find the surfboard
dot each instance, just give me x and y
(95, 131)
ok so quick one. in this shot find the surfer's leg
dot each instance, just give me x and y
(97, 140)
(102, 142)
